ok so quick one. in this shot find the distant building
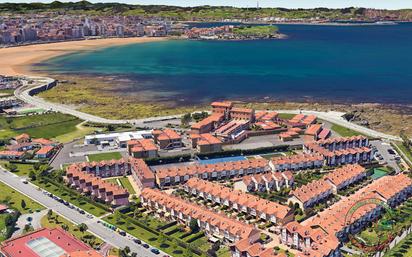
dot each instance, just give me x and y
(116, 139)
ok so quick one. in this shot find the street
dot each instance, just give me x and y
(95, 227)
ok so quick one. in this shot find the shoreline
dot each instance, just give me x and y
(17, 61)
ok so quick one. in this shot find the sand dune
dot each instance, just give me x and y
(17, 60)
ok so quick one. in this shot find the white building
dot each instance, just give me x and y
(116, 139)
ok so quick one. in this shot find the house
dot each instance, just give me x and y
(208, 124)
(222, 108)
(142, 148)
(45, 152)
(175, 175)
(308, 195)
(244, 248)
(346, 175)
(167, 139)
(95, 187)
(297, 162)
(266, 116)
(239, 201)
(389, 190)
(206, 143)
(307, 120)
(11, 155)
(214, 224)
(245, 114)
(274, 181)
(22, 138)
(142, 174)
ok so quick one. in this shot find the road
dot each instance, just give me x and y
(72, 215)
(22, 94)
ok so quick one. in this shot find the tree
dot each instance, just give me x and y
(186, 119)
(110, 127)
(65, 227)
(32, 175)
(49, 214)
(162, 239)
(82, 227)
(194, 227)
(127, 249)
(13, 167)
(23, 204)
(37, 166)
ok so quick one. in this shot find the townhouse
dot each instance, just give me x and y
(239, 201)
(206, 143)
(97, 188)
(310, 241)
(290, 134)
(305, 119)
(167, 138)
(274, 181)
(345, 176)
(244, 248)
(105, 169)
(296, 162)
(265, 116)
(175, 175)
(308, 195)
(142, 148)
(352, 213)
(340, 151)
(214, 224)
(142, 174)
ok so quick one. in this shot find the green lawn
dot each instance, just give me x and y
(345, 132)
(3, 228)
(71, 196)
(286, 116)
(124, 182)
(22, 169)
(13, 199)
(48, 125)
(87, 237)
(104, 156)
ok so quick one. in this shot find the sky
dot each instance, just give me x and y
(379, 4)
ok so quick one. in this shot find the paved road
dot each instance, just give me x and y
(96, 228)
(22, 94)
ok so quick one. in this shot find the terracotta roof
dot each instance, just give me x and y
(45, 149)
(313, 129)
(138, 145)
(168, 134)
(345, 173)
(208, 139)
(215, 117)
(311, 190)
(11, 153)
(224, 104)
(22, 136)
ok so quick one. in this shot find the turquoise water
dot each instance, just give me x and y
(319, 63)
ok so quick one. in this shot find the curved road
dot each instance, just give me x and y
(22, 93)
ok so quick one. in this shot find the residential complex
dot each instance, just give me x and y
(273, 181)
(212, 223)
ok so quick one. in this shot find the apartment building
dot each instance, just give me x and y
(297, 162)
(274, 181)
(97, 188)
(142, 148)
(175, 175)
(167, 139)
(208, 124)
(206, 143)
(265, 116)
(305, 119)
(345, 176)
(214, 224)
(310, 241)
(245, 114)
(352, 213)
(239, 201)
(308, 195)
(222, 108)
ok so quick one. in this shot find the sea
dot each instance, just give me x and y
(338, 64)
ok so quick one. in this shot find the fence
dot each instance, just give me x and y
(394, 242)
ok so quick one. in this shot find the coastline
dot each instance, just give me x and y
(17, 61)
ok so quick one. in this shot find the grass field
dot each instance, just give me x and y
(71, 197)
(46, 125)
(79, 132)
(13, 199)
(124, 182)
(286, 116)
(73, 229)
(22, 169)
(104, 156)
(405, 151)
(345, 132)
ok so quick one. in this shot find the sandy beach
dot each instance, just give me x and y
(17, 60)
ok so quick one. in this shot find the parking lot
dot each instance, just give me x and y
(386, 154)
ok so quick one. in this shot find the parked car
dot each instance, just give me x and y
(155, 251)
(145, 245)
(137, 241)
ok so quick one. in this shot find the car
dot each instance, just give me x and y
(145, 245)
(81, 212)
(155, 251)
(137, 241)
(391, 151)
(166, 255)
(24, 181)
(122, 233)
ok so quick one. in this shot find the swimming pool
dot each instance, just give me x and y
(224, 159)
